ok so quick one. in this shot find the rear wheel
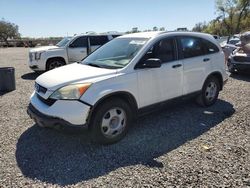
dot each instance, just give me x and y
(111, 121)
(210, 92)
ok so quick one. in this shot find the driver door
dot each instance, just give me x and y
(160, 84)
(78, 49)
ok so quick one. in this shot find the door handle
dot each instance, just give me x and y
(176, 66)
(206, 59)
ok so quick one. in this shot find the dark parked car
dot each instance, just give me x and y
(239, 60)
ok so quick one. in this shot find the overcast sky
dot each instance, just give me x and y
(43, 18)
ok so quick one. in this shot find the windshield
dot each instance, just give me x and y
(63, 42)
(234, 41)
(116, 53)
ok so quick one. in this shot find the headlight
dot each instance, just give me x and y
(38, 55)
(71, 91)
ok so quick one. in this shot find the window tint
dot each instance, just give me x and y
(114, 36)
(191, 47)
(80, 42)
(98, 40)
(164, 50)
(210, 47)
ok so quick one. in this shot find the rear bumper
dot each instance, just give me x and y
(44, 120)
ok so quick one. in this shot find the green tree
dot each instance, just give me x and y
(162, 29)
(155, 28)
(8, 30)
(200, 27)
(232, 12)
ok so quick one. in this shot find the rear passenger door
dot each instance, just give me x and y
(78, 49)
(196, 63)
(97, 41)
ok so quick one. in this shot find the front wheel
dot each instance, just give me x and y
(110, 121)
(210, 92)
(54, 63)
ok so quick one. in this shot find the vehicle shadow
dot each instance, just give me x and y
(241, 76)
(4, 92)
(68, 158)
(31, 75)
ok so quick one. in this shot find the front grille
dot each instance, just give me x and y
(48, 101)
(241, 59)
(40, 88)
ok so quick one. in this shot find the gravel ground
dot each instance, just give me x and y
(183, 145)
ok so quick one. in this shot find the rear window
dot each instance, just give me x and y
(210, 48)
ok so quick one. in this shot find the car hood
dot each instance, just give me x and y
(43, 48)
(73, 73)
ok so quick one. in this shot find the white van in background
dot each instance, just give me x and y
(68, 50)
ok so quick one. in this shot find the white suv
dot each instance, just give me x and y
(127, 76)
(68, 50)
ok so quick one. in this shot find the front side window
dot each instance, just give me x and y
(98, 40)
(114, 36)
(163, 50)
(116, 53)
(80, 42)
(191, 47)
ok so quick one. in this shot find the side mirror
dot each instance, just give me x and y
(150, 63)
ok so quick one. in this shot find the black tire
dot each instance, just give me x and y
(204, 99)
(54, 63)
(96, 125)
(231, 69)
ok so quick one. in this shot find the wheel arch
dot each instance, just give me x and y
(55, 58)
(124, 95)
(217, 75)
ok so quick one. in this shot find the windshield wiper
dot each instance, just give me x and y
(94, 65)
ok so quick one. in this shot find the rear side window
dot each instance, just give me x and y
(191, 47)
(98, 40)
(210, 48)
(80, 42)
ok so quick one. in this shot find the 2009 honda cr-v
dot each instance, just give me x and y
(124, 77)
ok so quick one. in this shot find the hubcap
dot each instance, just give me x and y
(54, 64)
(211, 91)
(113, 122)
